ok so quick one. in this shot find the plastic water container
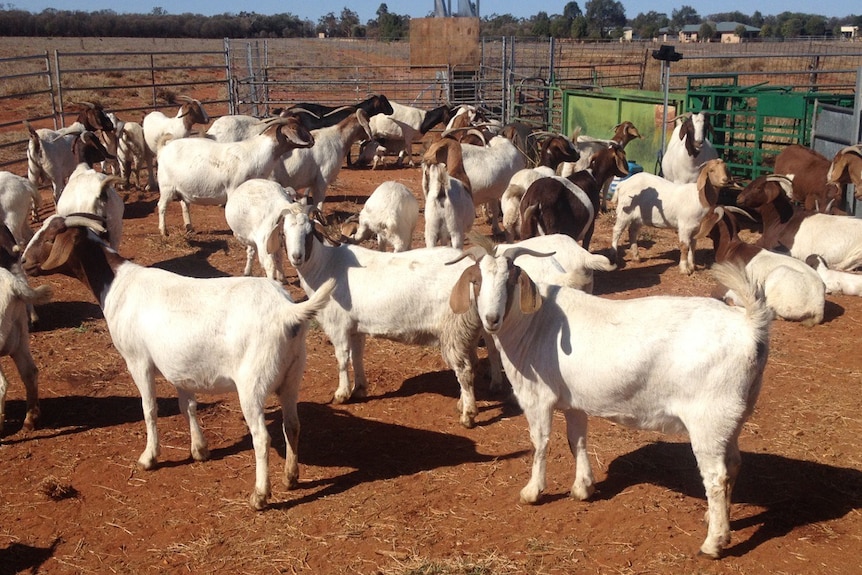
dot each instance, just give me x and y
(634, 168)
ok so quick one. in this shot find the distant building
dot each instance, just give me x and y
(726, 31)
(850, 32)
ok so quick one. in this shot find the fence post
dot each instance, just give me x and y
(57, 125)
(231, 103)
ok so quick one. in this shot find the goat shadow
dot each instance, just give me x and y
(793, 492)
(629, 278)
(372, 450)
(21, 558)
(196, 264)
(72, 414)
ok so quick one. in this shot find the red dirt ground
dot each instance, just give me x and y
(393, 484)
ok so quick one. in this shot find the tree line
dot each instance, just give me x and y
(599, 19)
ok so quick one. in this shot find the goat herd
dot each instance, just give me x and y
(529, 299)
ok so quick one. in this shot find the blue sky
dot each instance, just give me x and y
(366, 9)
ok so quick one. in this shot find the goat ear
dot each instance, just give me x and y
(707, 223)
(459, 299)
(61, 248)
(530, 299)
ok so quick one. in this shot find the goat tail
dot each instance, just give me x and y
(318, 300)
(732, 275)
(32, 296)
(598, 262)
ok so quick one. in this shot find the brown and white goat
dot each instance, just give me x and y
(159, 129)
(647, 199)
(846, 168)
(792, 289)
(801, 232)
(807, 169)
(688, 149)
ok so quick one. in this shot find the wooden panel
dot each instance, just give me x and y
(444, 41)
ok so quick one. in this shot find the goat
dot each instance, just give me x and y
(390, 213)
(203, 171)
(16, 296)
(160, 129)
(397, 296)
(801, 233)
(255, 212)
(53, 155)
(604, 165)
(570, 265)
(837, 282)
(449, 209)
(846, 168)
(92, 192)
(317, 167)
(238, 127)
(555, 150)
(791, 288)
(688, 149)
(238, 334)
(661, 363)
(18, 199)
(405, 125)
(131, 151)
(624, 133)
(657, 202)
(807, 170)
(489, 169)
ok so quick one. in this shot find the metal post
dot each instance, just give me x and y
(666, 54)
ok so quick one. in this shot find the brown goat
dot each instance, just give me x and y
(808, 169)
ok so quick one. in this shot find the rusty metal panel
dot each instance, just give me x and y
(445, 42)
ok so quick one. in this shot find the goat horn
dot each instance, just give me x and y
(85, 220)
(516, 251)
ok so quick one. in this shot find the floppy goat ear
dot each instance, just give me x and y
(459, 299)
(530, 299)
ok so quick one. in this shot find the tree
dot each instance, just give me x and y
(814, 26)
(571, 11)
(541, 26)
(791, 28)
(706, 32)
(740, 30)
(684, 16)
(604, 15)
(647, 25)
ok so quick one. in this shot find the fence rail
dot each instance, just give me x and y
(516, 79)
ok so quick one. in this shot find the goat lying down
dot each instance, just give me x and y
(238, 334)
(663, 363)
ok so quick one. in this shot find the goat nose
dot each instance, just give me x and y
(492, 321)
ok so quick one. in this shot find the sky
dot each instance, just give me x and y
(367, 9)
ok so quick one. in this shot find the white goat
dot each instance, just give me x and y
(688, 149)
(131, 151)
(234, 128)
(54, 155)
(402, 297)
(160, 129)
(837, 282)
(645, 198)
(449, 209)
(624, 133)
(662, 363)
(18, 199)
(390, 213)
(570, 265)
(255, 212)
(404, 126)
(16, 296)
(92, 192)
(237, 334)
(488, 169)
(317, 167)
(203, 171)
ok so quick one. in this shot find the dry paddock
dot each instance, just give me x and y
(393, 484)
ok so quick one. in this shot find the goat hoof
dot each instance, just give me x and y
(201, 454)
(257, 501)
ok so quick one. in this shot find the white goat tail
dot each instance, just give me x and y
(733, 277)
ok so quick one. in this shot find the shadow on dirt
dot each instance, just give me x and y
(196, 264)
(370, 450)
(20, 558)
(794, 493)
(65, 314)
